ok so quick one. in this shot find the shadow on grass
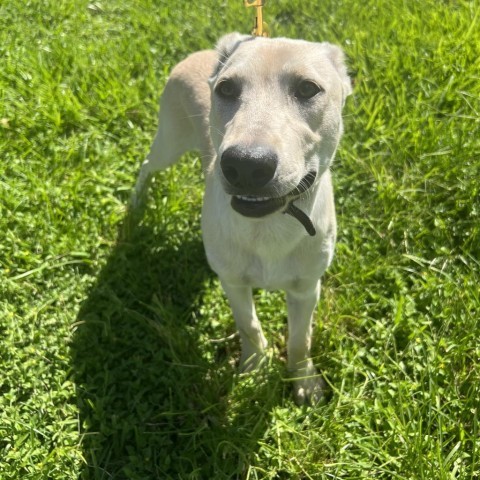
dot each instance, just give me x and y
(153, 391)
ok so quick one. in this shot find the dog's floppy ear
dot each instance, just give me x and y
(225, 47)
(337, 57)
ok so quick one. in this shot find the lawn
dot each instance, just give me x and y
(117, 348)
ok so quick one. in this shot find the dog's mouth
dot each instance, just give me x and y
(256, 206)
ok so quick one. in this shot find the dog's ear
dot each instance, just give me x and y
(225, 48)
(337, 57)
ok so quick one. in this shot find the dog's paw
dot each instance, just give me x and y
(309, 387)
(311, 391)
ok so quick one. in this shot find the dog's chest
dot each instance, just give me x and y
(268, 273)
(266, 266)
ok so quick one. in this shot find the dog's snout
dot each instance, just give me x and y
(248, 168)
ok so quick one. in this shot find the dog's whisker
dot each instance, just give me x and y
(193, 116)
(219, 132)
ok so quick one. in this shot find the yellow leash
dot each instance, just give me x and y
(260, 29)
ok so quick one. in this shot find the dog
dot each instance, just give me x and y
(266, 117)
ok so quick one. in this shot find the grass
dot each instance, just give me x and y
(117, 359)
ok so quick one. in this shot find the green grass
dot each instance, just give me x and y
(117, 359)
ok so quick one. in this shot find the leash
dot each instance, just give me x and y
(260, 28)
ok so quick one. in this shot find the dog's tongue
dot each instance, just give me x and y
(302, 217)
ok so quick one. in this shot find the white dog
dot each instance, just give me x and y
(266, 116)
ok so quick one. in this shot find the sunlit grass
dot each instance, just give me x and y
(117, 354)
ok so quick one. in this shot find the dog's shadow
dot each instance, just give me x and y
(153, 389)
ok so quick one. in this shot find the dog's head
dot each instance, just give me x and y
(276, 117)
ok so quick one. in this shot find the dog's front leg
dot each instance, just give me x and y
(253, 341)
(309, 386)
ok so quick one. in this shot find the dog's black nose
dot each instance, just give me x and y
(248, 168)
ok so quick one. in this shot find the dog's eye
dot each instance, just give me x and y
(227, 89)
(307, 89)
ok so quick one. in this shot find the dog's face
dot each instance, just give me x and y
(276, 117)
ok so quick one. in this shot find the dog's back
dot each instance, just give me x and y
(184, 110)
